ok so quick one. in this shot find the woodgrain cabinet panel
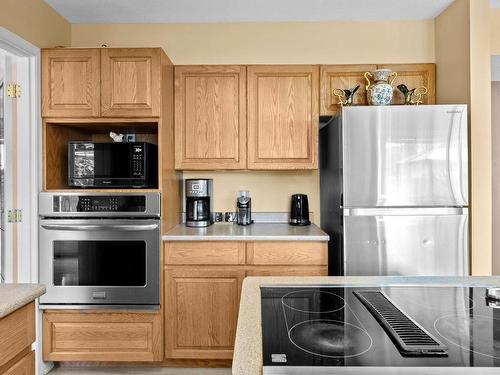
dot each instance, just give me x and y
(101, 336)
(287, 271)
(210, 117)
(130, 82)
(17, 332)
(70, 82)
(287, 253)
(414, 75)
(342, 77)
(283, 117)
(202, 311)
(26, 366)
(204, 252)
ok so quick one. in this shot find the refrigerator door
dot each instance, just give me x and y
(426, 242)
(400, 156)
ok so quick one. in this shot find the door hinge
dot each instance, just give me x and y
(13, 90)
(15, 216)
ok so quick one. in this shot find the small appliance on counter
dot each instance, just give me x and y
(244, 208)
(299, 210)
(112, 164)
(198, 202)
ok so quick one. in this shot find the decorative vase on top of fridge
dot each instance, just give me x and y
(394, 190)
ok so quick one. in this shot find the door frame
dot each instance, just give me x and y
(31, 129)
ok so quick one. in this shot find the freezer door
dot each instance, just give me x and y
(405, 156)
(427, 244)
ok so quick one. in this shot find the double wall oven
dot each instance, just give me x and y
(100, 250)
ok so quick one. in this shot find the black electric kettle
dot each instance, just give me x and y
(299, 210)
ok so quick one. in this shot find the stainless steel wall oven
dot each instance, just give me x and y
(100, 250)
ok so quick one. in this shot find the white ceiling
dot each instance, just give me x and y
(198, 11)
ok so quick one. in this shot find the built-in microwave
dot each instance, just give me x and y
(113, 164)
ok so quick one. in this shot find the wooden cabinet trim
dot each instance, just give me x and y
(347, 76)
(76, 99)
(255, 114)
(90, 335)
(204, 252)
(236, 137)
(283, 253)
(17, 332)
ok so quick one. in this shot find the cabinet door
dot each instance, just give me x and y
(130, 82)
(288, 271)
(70, 82)
(283, 117)
(342, 77)
(414, 75)
(202, 311)
(210, 117)
(100, 335)
(25, 366)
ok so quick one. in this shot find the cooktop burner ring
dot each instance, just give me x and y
(332, 323)
(466, 318)
(341, 301)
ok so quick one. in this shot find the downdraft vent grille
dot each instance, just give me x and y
(410, 338)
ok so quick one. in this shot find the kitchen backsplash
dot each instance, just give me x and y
(270, 190)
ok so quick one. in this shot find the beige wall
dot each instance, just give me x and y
(36, 22)
(495, 31)
(463, 75)
(495, 129)
(270, 43)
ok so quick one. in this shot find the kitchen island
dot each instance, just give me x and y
(17, 327)
(248, 356)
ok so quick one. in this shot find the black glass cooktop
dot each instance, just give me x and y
(335, 327)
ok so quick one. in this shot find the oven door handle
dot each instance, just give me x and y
(84, 227)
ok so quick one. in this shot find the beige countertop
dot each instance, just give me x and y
(15, 296)
(254, 232)
(247, 358)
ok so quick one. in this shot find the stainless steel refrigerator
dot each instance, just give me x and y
(394, 190)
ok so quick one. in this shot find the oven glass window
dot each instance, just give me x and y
(100, 263)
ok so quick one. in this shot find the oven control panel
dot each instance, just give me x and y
(97, 203)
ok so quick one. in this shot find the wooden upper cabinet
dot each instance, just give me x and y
(130, 82)
(210, 117)
(70, 82)
(342, 77)
(283, 117)
(414, 76)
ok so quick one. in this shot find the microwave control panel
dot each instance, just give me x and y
(138, 160)
(90, 203)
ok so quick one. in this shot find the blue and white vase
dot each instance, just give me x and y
(381, 91)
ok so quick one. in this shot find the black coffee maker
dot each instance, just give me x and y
(299, 210)
(198, 202)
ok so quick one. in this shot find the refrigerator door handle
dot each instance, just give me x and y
(405, 211)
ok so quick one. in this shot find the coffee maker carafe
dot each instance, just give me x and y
(198, 202)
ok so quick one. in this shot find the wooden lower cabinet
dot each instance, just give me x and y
(77, 335)
(17, 333)
(201, 311)
(203, 282)
(26, 366)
